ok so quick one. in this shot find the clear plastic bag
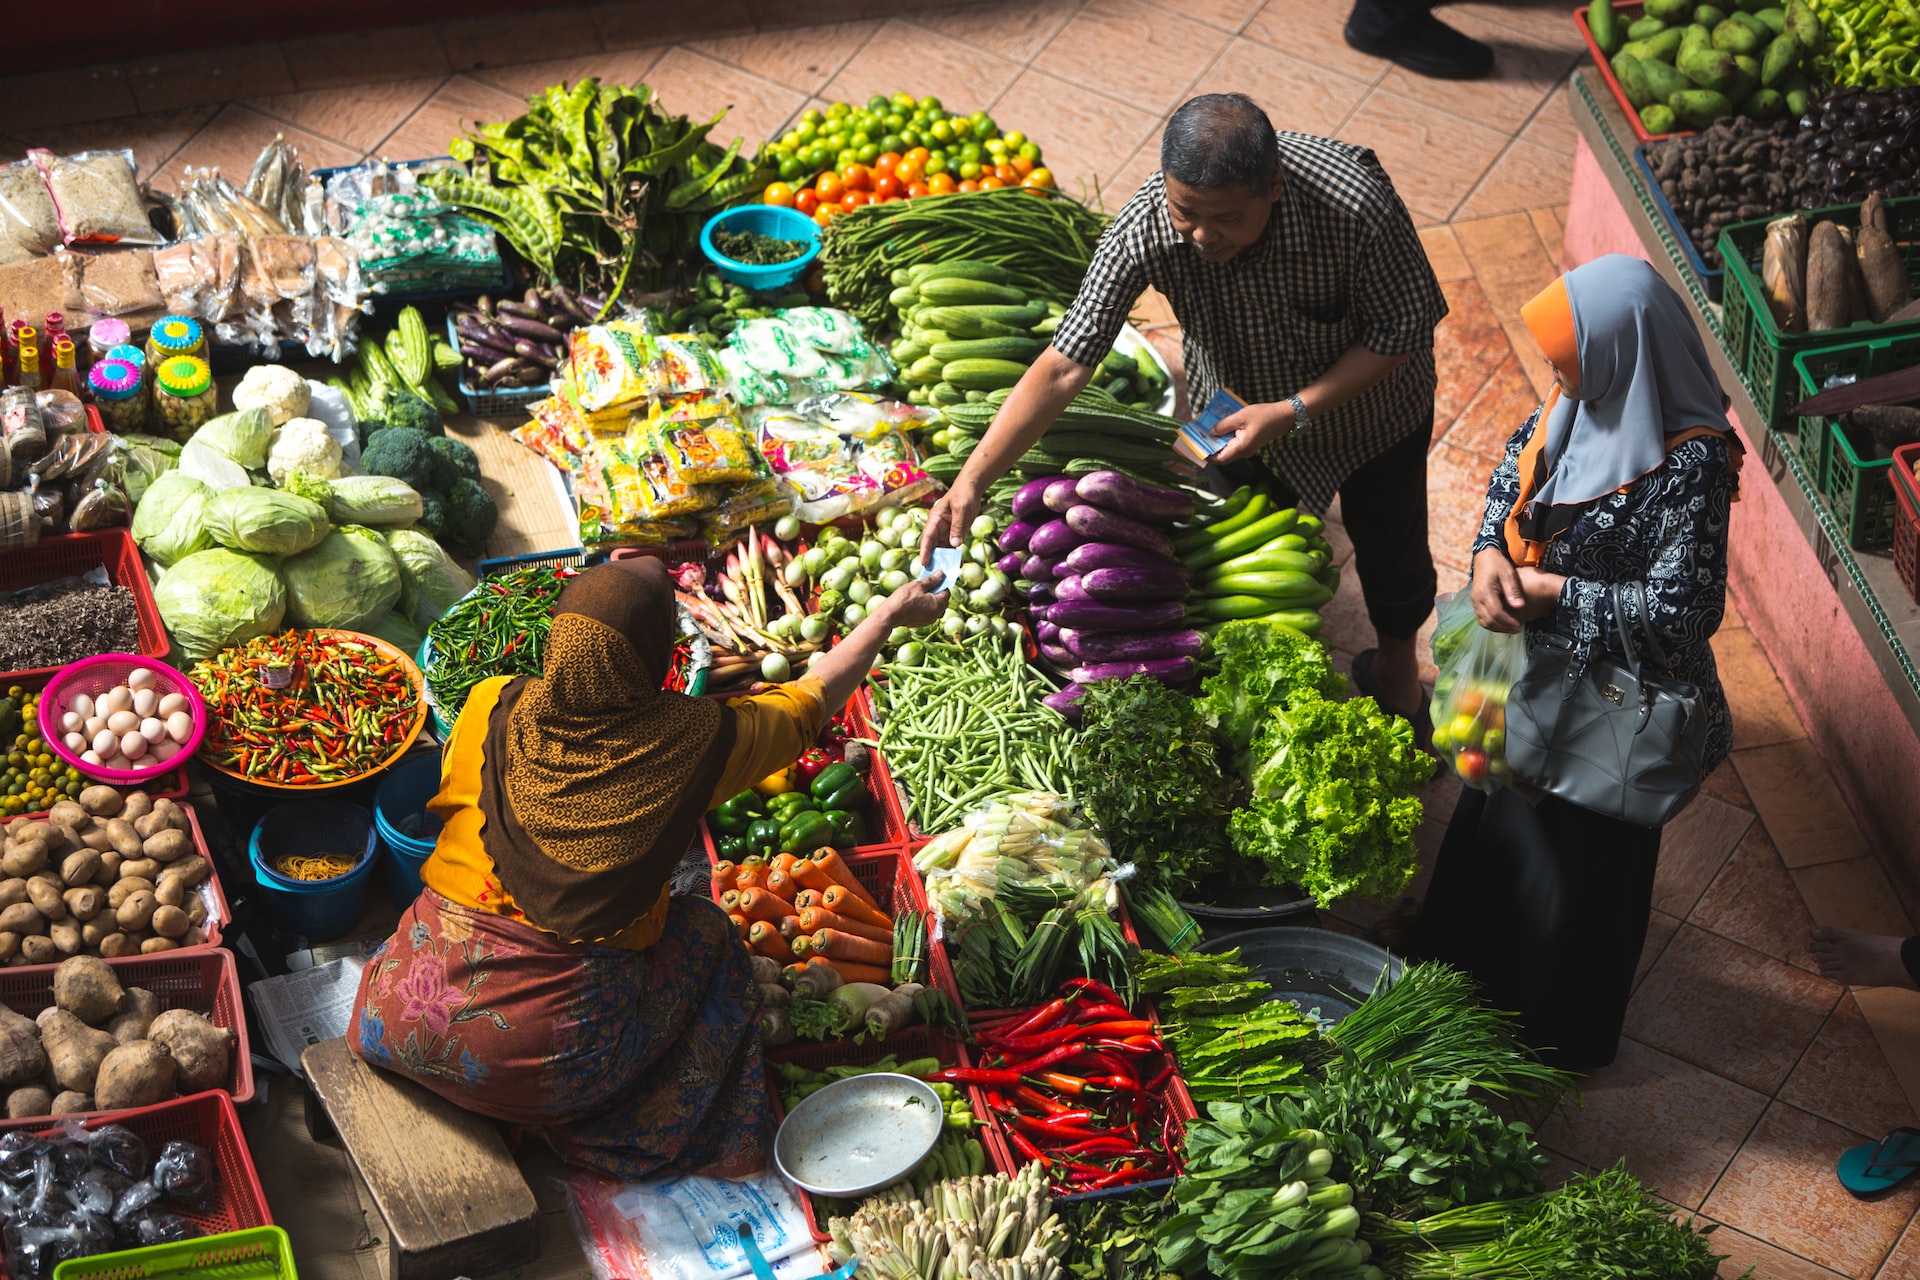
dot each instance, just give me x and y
(1477, 671)
(98, 201)
(29, 227)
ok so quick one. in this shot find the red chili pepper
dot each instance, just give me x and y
(1100, 989)
(1105, 1013)
(975, 1075)
(1025, 1148)
(1039, 1020)
(1051, 1058)
(1070, 1118)
(1106, 1145)
(1117, 1178)
(1067, 1084)
(1038, 1101)
(1123, 1046)
(1165, 1074)
(1054, 1135)
(1108, 1063)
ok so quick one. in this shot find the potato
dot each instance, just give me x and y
(9, 945)
(92, 931)
(193, 870)
(79, 868)
(71, 1102)
(142, 868)
(23, 857)
(101, 801)
(66, 936)
(136, 911)
(88, 989)
(135, 806)
(29, 1101)
(23, 918)
(202, 1051)
(44, 892)
(171, 813)
(22, 1056)
(153, 946)
(68, 814)
(194, 937)
(73, 1048)
(36, 948)
(133, 1021)
(116, 944)
(85, 902)
(197, 909)
(126, 888)
(109, 869)
(125, 840)
(63, 841)
(171, 891)
(12, 891)
(95, 837)
(170, 922)
(137, 1074)
(167, 845)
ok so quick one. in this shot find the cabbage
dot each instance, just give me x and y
(349, 580)
(430, 581)
(170, 522)
(147, 459)
(397, 629)
(242, 436)
(212, 468)
(217, 598)
(265, 520)
(374, 500)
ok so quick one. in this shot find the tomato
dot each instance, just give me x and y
(889, 186)
(1007, 174)
(856, 177)
(824, 214)
(1042, 178)
(919, 156)
(991, 183)
(968, 184)
(886, 163)
(777, 194)
(918, 189)
(854, 199)
(1471, 765)
(1469, 702)
(940, 184)
(830, 186)
(909, 171)
(806, 200)
(1021, 165)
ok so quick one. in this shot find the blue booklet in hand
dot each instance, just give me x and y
(1196, 441)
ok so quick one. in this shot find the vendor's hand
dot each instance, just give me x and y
(920, 603)
(950, 519)
(1253, 429)
(1542, 590)
(1498, 600)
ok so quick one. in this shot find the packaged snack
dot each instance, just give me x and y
(857, 414)
(29, 227)
(775, 349)
(818, 463)
(96, 198)
(613, 365)
(828, 328)
(639, 487)
(890, 462)
(739, 509)
(687, 365)
(709, 451)
(746, 384)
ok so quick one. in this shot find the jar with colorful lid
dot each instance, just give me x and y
(128, 353)
(184, 396)
(175, 336)
(118, 392)
(105, 335)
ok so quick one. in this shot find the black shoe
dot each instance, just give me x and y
(1419, 717)
(1428, 47)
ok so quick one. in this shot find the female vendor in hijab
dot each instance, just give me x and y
(1624, 475)
(545, 977)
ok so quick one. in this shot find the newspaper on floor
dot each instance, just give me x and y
(687, 1228)
(305, 1007)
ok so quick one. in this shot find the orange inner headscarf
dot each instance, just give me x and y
(1549, 318)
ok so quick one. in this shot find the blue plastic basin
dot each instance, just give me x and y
(768, 220)
(317, 910)
(402, 799)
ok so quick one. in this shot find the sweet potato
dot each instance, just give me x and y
(22, 1056)
(135, 1018)
(88, 989)
(71, 1102)
(74, 1048)
(28, 1101)
(1829, 287)
(137, 1074)
(202, 1050)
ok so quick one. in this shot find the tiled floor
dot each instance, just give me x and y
(1744, 1072)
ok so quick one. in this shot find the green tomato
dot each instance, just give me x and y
(941, 131)
(838, 110)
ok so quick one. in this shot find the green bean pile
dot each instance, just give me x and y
(966, 725)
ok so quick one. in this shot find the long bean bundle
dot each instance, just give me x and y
(966, 724)
(498, 629)
(1043, 241)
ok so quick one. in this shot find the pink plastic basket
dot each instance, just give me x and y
(93, 677)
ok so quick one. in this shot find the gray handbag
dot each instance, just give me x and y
(1625, 741)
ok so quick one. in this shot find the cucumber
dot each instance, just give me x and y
(963, 269)
(954, 292)
(1022, 350)
(1227, 608)
(961, 322)
(1266, 559)
(982, 375)
(923, 372)
(906, 351)
(903, 297)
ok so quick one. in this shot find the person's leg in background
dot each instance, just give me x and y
(1383, 507)
(1866, 959)
(1406, 33)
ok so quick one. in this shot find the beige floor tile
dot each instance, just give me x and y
(1229, 15)
(1660, 930)
(1742, 1251)
(1295, 93)
(357, 116)
(1762, 716)
(1013, 29)
(502, 39)
(232, 140)
(1733, 618)
(1105, 49)
(1796, 798)
(458, 106)
(1132, 173)
(1636, 1107)
(804, 59)
(1504, 402)
(1541, 22)
(1508, 260)
(1853, 894)
(1087, 137)
(965, 78)
(1552, 126)
(1894, 1015)
(195, 78)
(37, 99)
(1552, 231)
(1729, 1009)
(1724, 784)
(1433, 158)
(1468, 349)
(1844, 1077)
(1904, 1262)
(620, 66)
(1781, 1189)
(693, 84)
(1444, 254)
(1525, 176)
(153, 137)
(1533, 361)
(1755, 902)
(631, 24)
(1456, 502)
(1310, 29)
(1693, 848)
(1525, 72)
(365, 57)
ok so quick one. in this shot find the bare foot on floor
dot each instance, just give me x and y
(1860, 959)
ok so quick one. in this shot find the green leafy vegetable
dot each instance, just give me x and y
(1263, 665)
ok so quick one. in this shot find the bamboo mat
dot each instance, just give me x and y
(535, 516)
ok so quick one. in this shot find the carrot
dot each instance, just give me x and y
(802, 944)
(830, 861)
(806, 898)
(791, 972)
(790, 927)
(811, 875)
(814, 919)
(724, 873)
(730, 901)
(740, 922)
(781, 885)
(750, 876)
(854, 971)
(758, 904)
(836, 945)
(766, 940)
(840, 901)
(783, 862)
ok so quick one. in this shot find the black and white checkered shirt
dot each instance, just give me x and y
(1340, 264)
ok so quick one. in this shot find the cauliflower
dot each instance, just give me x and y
(303, 444)
(283, 393)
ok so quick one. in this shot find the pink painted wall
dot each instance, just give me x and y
(1790, 603)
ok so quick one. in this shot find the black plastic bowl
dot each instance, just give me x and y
(1313, 968)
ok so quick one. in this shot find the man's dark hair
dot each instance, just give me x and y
(1219, 139)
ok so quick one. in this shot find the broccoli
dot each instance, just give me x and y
(471, 515)
(433, 513)
(452, 459)
(400, 452)
(408, 410)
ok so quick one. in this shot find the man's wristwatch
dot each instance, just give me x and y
(1300, 416)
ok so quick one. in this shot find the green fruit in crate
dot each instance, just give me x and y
(1699, 108)
(1781, 59)
(1709, 69)
(1628, 71)
(1746, 78)
(1657, 118)
(1669, 10)
(1604, 23)
(1776, 19)
(1709, 16)
(1663, 82)
(1645, 28)
(1766, 104)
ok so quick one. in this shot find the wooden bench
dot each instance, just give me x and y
(454, 1201)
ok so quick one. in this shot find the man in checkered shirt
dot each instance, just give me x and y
(1302, 288)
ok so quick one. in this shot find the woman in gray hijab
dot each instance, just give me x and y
(1625, 474)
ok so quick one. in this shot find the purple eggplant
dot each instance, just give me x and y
(1053, 540)
(1133, 586)
(1036, 568)
(1014, 537)
(1065, 589)
(1097, 524)
(1124, 494)
(521, 327)
(1067, 702)
(1142, 646)
(1045, 632)
(1089, 556)
(1040, 594)
(1059, 495)
(1058, 656)
(1165, 670)
(1010, 563)
(1087, 615)
(1030, 502)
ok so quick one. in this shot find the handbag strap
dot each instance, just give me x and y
(1624, 628)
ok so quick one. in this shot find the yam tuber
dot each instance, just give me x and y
(137, 1074)
(73, 1048)
(22, 1057)
(28, 1101)
(203, 1051)
(135, 1019)
(1829, 287)
(87, 988)
(70, 1102)
(1883, 274)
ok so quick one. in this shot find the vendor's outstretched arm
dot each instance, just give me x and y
(842, 668)
(1038, 398)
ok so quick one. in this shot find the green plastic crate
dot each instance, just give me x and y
(258, 1253)
(1758, 349)
(1856, 489)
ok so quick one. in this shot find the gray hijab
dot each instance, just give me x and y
(1644, 376)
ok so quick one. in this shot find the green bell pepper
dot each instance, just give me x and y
(806, 832)
(734, 816)
(785, 806)
(764, 836)
(832, 779)
(734, 848)
(849, 796)
(849, 828)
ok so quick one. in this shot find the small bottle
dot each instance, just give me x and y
(66, 375)
(175, 336)
(104, 337)
(52, 331)
(117, 391)
(29, 357)
(184, 396)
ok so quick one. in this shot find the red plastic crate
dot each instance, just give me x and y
(204, 981)
(1628, 13)
(207, 1120)
(1906, 518)
(76, 553)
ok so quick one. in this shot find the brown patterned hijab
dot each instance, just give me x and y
(603, 774)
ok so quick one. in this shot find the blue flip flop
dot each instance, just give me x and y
(1873, 1168)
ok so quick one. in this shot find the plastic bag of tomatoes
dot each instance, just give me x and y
(1477, 671)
